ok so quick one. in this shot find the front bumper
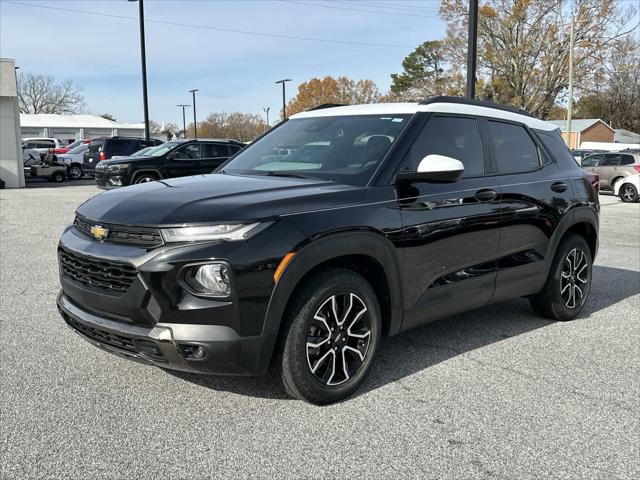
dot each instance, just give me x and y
(172, 345)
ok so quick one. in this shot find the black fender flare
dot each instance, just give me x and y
(579, 214)
(318, 251)
(136, 174)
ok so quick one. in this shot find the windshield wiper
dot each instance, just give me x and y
(271, 173)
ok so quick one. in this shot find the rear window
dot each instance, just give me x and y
(611, 160)
(94, 146)
(513, 148)
(122, 147)
(214, 150)
(558, 149)
(627, 160)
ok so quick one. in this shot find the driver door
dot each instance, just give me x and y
(184, 161)
(450, 230)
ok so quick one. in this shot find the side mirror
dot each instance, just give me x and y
(434, 168)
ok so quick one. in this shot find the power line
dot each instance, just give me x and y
(387, 6)
(335, 7)
(217, 29)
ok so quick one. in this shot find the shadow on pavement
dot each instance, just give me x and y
(44, 183)
(423, 347)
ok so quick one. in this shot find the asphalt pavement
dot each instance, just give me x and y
(495, 393)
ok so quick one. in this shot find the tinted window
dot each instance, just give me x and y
(188, 152)
(233, 149)
(558, 149)
(591, 160)
(94, 147)
(627, 160)
(513, 148)
(457, 138)
(611, 160)
(213, 150)
(122, 147)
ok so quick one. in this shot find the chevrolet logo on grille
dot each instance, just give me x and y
(99, 232)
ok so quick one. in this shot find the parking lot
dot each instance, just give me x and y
(494, 393)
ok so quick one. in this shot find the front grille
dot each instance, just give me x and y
(102, 336)
(145, 236)
(103, 275)
(101, 167)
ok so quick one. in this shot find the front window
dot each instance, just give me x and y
(345, 149)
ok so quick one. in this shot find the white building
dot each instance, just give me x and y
(66, 127)
(10, 146)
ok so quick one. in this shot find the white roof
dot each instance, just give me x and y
(411, 108)
(46, 120)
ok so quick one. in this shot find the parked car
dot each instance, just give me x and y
(70, 146)
(579, 154)
(74, 160)
(178, 158)
(106, 147)
(612, 167)
(41, 145)
(302, 264)
(627, 188)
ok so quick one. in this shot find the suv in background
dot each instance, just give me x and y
(178, 158)
(106, 147)
(339, 227)
(613, 166)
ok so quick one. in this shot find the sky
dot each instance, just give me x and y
(199, 44)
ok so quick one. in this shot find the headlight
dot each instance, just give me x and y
(118, 167)
(229, 232)
(211, 279)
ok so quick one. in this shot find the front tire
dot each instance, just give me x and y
(567, 288)
(57, 177)
(332, 334)
(75, 172)
(145, 178)
(628, 193)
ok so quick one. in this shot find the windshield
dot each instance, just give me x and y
(161, 149)
(345, 149)
(144, 152)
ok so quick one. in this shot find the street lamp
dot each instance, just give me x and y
(143, 60)
(266, 110)
(472, 49)
(195, 124)
(184, 121)
(284, 103)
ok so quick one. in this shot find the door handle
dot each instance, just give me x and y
(486, 195)
(559, 187)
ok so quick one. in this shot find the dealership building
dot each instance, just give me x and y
(67, 127)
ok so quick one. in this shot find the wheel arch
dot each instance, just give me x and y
(585, 224)
(368, 253)
(142, 171)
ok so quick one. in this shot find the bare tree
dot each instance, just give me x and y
(40, 94)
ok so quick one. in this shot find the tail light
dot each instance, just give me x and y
(594, 179)
(101, 156)
(636, 168)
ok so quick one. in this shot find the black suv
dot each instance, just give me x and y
(336, 228)
(106, 147)
(179, 158)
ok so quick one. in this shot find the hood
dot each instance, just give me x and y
(215, 198)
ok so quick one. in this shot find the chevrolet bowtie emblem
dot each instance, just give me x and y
(99, 232)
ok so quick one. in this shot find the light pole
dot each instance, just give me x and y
(143, 60)
(284, 102)
(195, 124)
(472, 48)
(266, 110)
(184, 121)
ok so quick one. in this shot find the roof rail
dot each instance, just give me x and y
(470, 101)
(326, 105)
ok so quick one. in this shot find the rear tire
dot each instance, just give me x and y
(331, 335)
(567, 288)
(628, 193)
(58, 177)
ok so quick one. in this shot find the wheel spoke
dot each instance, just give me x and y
(356, 351)
(321, 361)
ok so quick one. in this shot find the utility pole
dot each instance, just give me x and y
(570, 101)
(143, 61)
(266, 110)
(472, 48)
(284, 101)
(195, 122)
(184, 120)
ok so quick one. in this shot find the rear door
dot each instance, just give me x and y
(607, 169)
(184, 160)
(450, 230)
(213, 155)
(535, 196)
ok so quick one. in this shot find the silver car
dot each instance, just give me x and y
(612, 166)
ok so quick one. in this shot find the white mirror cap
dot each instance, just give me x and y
(439, 163)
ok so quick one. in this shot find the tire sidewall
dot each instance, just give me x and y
(635, 196)
(560, 310)
(77, 168)
(295, 369)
